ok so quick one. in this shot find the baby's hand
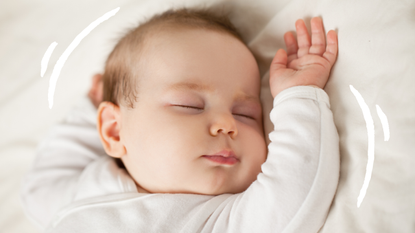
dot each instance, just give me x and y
(309, 64)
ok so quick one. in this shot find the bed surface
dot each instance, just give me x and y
(376, 58)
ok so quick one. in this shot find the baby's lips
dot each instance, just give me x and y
(221, 159)
(225, 153)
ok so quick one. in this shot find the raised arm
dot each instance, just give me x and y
(300, 176)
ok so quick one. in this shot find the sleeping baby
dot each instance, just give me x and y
(181, 120)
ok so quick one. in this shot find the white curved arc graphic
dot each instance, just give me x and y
(371, 143)
(45, 59)
(62, 59)
(385, 123)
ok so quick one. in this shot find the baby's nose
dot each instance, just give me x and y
(224, 124)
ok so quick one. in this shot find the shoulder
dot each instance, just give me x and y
(103, 177)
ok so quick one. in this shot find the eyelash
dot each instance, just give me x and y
(184, 106)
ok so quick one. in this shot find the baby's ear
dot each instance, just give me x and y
(108, 124)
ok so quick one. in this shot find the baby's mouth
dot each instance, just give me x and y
(222, 160)
(227, 157)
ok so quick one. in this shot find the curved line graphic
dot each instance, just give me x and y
(62, 59)
(385, 123)
(371, 143)
(45, 59)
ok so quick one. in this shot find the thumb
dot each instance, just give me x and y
(279, 61)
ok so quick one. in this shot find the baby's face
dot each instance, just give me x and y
(198, 95)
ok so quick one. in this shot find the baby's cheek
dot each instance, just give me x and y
(257, 148)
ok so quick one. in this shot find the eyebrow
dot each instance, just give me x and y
(191, 86)
(205, 88)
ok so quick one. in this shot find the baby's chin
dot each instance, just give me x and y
(227, 190)
(218, 182)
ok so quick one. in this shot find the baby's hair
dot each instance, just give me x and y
(121, 79)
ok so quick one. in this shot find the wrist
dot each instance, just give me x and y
(274, 94)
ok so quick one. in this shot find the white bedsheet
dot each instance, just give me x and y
(376, 56)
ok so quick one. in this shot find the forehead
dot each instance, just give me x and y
(206, 57)
(209, 89)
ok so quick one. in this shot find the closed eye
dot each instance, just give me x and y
(185, 106)
(245, 116)
(192, 107)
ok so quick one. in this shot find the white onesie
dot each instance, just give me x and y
(74, 186)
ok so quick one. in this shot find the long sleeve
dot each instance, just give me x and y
(300, 176)
(60, 159)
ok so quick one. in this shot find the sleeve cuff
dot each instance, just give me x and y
(305, 92)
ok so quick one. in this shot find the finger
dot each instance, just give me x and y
(303, 38)
(279, 61)
(332, 47)
(96, 78)
(96, 91)
(318, 40)
(291, 45)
